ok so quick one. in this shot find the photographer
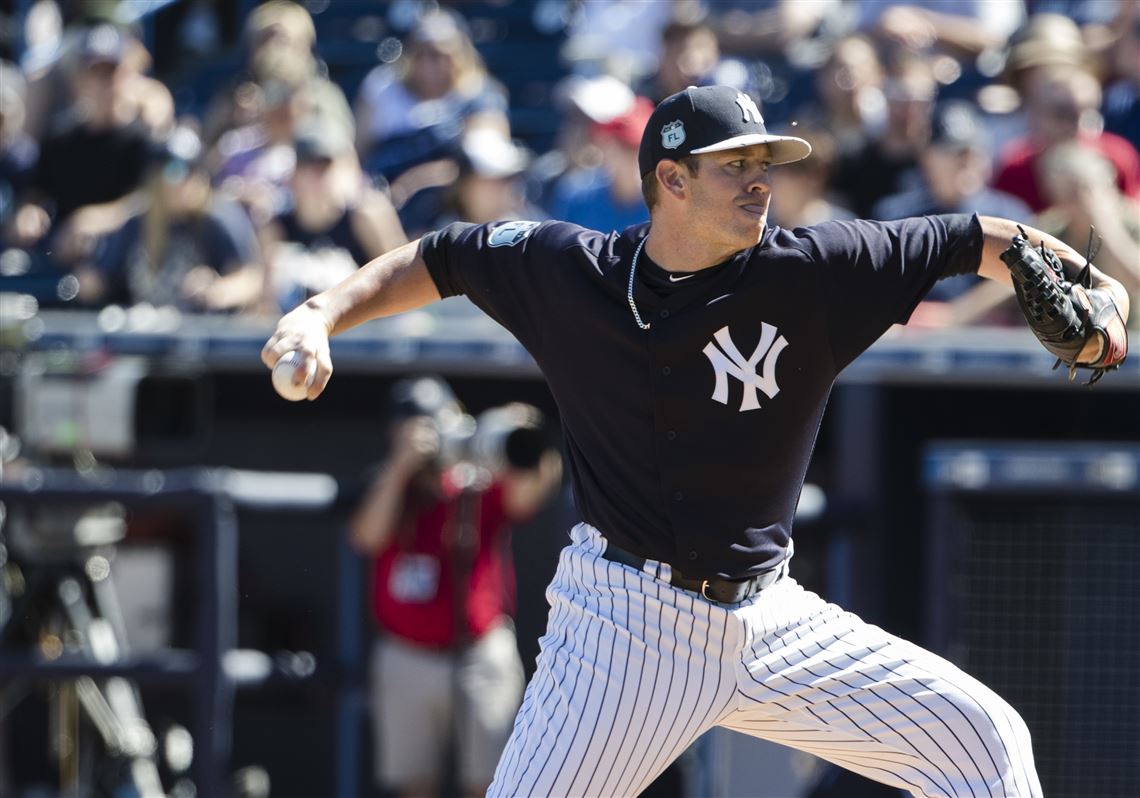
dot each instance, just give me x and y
(446, 670)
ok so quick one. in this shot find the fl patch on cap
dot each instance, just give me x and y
(710, 119)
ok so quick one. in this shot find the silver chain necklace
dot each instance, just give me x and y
(629, 291)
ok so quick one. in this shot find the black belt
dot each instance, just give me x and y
(722, 591)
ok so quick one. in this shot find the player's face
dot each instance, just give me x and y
(729, 195)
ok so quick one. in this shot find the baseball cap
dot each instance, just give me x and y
(956, 126)
(629, 126)
(710, 119)
(182, 145)
(320, 140)
(601, 99)
(488, 153)
(438, 27)
(102, 44)
(179, 155)
(1046, 39)
(428, 395)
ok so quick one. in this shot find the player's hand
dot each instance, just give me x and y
(305, 331)
(1080, 323)
(1092, 351)
(1108, 287)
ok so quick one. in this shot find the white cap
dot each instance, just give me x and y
(602, 98)
(491, 154)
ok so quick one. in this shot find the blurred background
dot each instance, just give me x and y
(186, 604)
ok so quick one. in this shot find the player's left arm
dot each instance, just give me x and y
(998, 233)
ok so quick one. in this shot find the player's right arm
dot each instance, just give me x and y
(395, 282)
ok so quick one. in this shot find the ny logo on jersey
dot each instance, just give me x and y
(727, 361)
(748, 108)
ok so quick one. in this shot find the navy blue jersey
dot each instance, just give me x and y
(689, 442)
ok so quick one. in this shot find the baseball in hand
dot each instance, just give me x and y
(284, 373)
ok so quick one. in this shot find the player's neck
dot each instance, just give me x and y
(683, 252)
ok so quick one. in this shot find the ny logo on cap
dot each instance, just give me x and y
(748, 108)
(727, 361)
(673, 135)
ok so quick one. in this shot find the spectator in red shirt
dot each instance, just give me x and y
(1062, 107)
(446, 667)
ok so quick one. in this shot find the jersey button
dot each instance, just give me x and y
(664, 314)
(671, 435)
(666, 371)
(692, 555)
(678, 496)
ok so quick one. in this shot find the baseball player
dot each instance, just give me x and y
(691, 359)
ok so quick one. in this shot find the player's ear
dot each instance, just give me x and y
(672, 177)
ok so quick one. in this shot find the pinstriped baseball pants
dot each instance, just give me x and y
(632, 670)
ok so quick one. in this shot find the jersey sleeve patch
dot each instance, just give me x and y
(510, 233)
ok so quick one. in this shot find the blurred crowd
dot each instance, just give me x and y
(304, 164)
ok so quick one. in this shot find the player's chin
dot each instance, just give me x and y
(753, 220)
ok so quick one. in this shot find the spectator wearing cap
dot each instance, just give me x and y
(92, 159)
(187, 248)
(609, 197)
(276, 32)
(1063, 106)
(446, 675)
(955, 170)
(416, 110)
(334, 223)
(583, 102)
(1046, 43)
(487, 186)
(52, 58)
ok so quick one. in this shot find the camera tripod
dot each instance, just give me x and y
(65, 605)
